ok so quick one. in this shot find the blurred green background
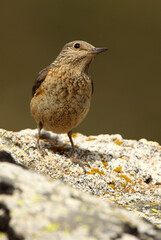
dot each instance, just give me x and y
(127, 78)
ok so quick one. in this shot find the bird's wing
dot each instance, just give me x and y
(41, 77)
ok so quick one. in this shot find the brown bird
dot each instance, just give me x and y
(61, 95)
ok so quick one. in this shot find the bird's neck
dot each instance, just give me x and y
(74, 73)
(74, 69)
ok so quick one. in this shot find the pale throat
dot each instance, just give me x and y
(75, 68)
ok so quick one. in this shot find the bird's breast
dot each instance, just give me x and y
(62, 101)
(63, 87)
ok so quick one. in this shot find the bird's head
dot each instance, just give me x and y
(78, 55)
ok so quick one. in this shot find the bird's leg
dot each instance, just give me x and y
(39, 127)
(71, 140)
(75, 159)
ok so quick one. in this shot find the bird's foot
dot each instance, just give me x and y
(40, 150)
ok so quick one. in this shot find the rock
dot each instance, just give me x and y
(127, 172)
(39, 208)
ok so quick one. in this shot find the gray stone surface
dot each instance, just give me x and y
(39, 208)
(127, 172)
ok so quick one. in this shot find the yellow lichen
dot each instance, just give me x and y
(90, 139)
(66, 232)
(35, 237)
(118, 169)
(21, 153)
(154, 210)
(74, 135)
(105, 164)
(118, 142)
(96, 170)
(67, 171)
(154, 203)
(52, 227)
(35, 198)
(20, 202)
(105, 192)
(127, 179)
(111, 185)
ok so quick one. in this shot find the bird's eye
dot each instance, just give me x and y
(77, 45)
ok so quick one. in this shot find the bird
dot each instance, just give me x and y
(62, 92)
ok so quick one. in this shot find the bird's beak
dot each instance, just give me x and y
(98, 50)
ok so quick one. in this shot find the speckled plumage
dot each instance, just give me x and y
(63, 91)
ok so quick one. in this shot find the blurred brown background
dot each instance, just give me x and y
(127, 78)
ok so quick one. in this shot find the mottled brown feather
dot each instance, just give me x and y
(41, 77)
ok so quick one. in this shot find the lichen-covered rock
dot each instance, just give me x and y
(39, 208)
(128, 172)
